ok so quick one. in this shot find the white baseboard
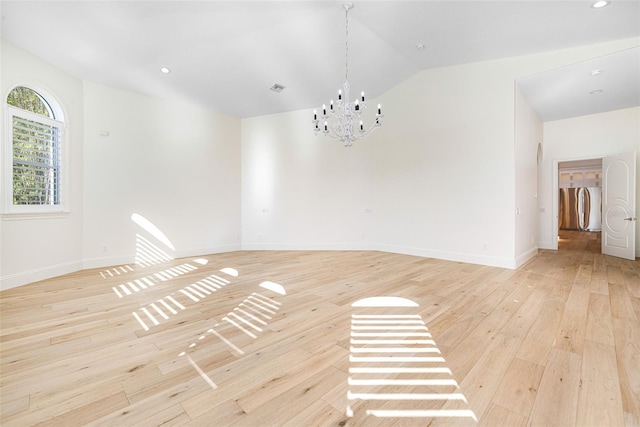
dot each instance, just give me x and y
(103, 262)
(48, 272)
(547, 245)
(491, 261)
(308, 247)
(208, 251)
(18, 279)
(526, 256)
(427, 253)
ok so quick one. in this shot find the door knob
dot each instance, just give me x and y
(630, 219)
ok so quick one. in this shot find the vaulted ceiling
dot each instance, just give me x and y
(225, 55)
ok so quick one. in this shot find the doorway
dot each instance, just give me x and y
(580, 205)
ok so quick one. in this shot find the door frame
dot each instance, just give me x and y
(555, 205)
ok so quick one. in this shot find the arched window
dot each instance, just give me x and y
(36, 125)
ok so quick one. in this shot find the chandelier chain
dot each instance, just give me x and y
(346, 44)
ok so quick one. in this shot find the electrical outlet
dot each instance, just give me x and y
(105, 248)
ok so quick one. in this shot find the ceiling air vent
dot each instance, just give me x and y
(277, 88)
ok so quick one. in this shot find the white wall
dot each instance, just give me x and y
(438, 176)
(37, 247)
(303, 191)
(528, 135)
(444, 165)
(176, 165)
(586, 137)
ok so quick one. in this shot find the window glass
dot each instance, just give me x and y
(35, 146)
(30, 100)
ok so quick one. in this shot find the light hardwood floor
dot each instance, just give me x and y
(556, 342)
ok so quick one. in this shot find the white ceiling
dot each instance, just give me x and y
(225, 55)
(607, 83)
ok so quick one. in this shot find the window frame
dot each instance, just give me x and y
(8, 207)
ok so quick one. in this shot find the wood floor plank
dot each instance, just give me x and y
(13, 405)
(164, 406)
(570, 335)
(615, 275)
(635, 302)
(246, 373)
(77, 416)
(519, 387)
(282, 382)
(621, 306)
(482, 382)
(599, 321)
(599, 402)
(216, 413)
(90, 411)
(40, 352)
(499, 416)
(540, 338)
(557, 398)
(599, 282)
(282, 407)
(627, 344)
(171, 416)
(632, 280)
(318, 413)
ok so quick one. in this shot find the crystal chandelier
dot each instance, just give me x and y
(342, 121)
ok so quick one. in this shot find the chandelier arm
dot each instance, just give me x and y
(369, 130)
(333, 131)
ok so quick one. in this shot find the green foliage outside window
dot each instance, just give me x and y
(27, 99)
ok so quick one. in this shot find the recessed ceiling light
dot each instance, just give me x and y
(596, 92)
(595, 72)
(600, 3)
(420, 46)
(165, 70)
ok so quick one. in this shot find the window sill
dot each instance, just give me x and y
(22, 216)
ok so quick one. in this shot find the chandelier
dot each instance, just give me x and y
(342, 121)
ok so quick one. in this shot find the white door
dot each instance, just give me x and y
(619, 205)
